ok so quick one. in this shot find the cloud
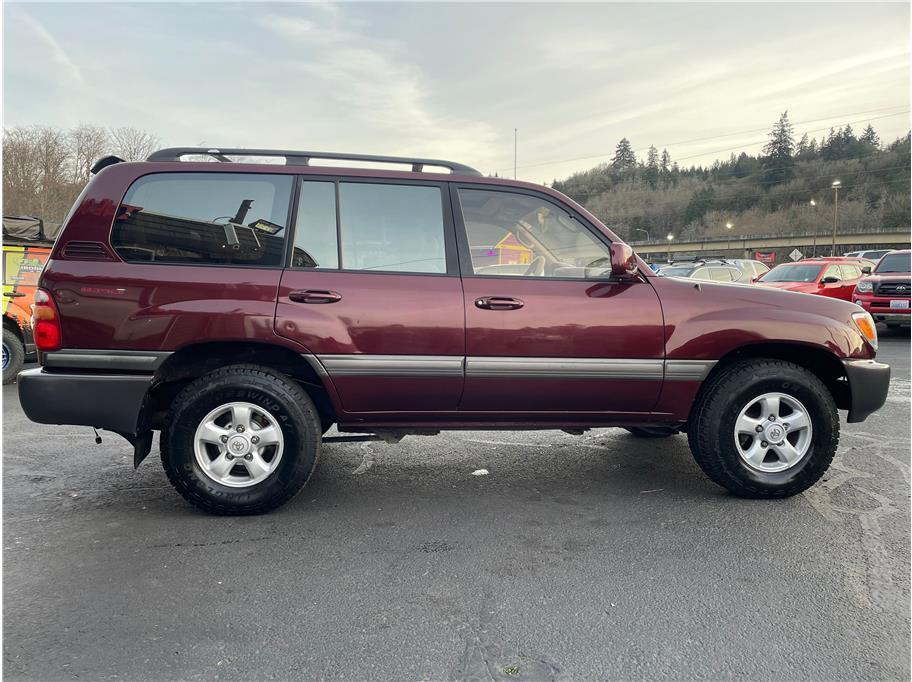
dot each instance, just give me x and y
(68, 73)
(378, 85)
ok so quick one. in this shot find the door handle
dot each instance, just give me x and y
(498, 303)
(314, 296)
(13, 294)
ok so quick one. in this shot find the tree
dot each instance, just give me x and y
(651, 174)
(869, 139)
(88, 143)
(779, 152)
(624, 158)
(132, 144)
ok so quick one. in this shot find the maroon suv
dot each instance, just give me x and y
(243, 308)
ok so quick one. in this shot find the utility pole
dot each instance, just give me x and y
(835, 186)
(515, 134)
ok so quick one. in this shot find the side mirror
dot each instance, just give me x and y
(623, 262)
(829, 280)
(866, 270)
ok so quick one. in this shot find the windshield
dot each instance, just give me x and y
(895, 262)
(792, 273)
(681, 271)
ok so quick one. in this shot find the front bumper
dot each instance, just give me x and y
(869, 382)
(104, 401)
(879, 307)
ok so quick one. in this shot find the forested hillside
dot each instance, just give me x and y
(766, 194)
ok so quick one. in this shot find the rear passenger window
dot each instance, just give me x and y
(393, 228)
(720, 274)
(204, 218)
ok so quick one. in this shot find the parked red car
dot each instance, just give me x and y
(835, 277)
(243, 308)
(885, 293)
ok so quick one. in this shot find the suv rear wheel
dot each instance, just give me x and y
(764, 429)
(241, 440)
(13, 355)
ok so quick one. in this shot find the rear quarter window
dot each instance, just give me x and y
(204, 219)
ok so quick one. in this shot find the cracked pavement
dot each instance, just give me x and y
(595, 556)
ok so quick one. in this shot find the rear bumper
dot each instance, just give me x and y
(105, 401)
(869, 382)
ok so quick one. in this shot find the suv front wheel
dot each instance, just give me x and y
(241, 440)
(764, 428)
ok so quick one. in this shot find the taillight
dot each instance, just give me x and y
(45, 322)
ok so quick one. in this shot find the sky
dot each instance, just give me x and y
(453, 80)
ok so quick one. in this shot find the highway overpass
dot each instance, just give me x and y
(745, 247)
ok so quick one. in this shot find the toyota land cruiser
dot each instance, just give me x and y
(241, 308)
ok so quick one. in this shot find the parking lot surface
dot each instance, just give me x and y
(595, 556)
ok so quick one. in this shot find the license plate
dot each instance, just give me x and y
(899, 304)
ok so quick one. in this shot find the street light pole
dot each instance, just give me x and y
(729, 226)
(836, 184)
(811, 213)
(646, 232)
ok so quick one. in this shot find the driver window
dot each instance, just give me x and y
(518, 235)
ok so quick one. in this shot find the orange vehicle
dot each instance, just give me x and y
(26, 247)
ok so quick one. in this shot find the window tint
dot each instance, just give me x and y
(832, 271)
(392, 227)
(894, 262)
(204, 218)
(518, 234)
(315, 239)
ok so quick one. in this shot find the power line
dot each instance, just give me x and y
(714, 137)
(815, 130)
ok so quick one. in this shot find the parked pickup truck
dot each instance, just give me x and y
(885, 293)
(241, 309)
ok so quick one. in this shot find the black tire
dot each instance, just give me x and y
(711, 429)
(14, 352)
(275, 393)
(651, 431)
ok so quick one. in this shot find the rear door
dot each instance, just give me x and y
(547, 331)
(851, 273)
(373, 291)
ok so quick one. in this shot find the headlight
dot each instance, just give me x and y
(864, 287)
(866, 326)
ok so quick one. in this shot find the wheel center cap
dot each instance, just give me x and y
(774, 433)
(238, 445)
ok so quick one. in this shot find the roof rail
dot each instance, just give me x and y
(296, 158)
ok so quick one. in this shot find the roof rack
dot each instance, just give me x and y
(296, 158)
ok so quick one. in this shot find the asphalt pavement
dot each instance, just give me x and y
(577, 557)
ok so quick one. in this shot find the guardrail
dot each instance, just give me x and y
(823, 242)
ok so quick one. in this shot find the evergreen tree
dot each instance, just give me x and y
(779, 152)
(651, 174)
(624, 158)
(869, 138)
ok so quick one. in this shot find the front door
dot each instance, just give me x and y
(374, 293)
(547, 331)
